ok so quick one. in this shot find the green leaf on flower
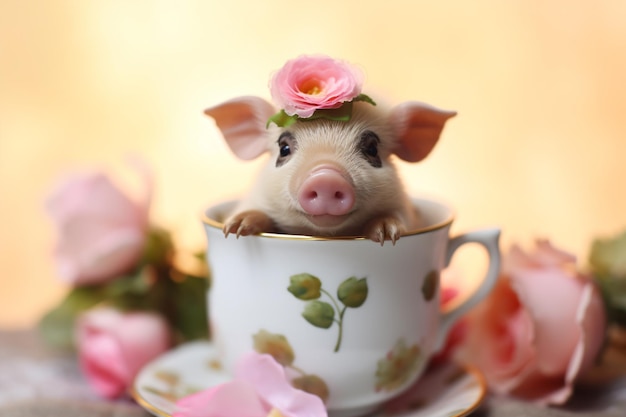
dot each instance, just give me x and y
(343, 113)
(189, 300)
(365, 98)
(305, 286)
(340, 114)
(158, 248)
(319, 314)
(614, 295)
(608, 257)
(57, 326)
(143, 289)
(353, 292)
(282, 119)
(137, 283)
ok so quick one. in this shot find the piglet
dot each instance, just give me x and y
(327, 177)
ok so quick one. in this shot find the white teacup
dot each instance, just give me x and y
(348, 318)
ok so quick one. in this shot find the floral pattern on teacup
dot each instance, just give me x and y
(351, 293)
(275, 345)
(397, 367)
(279, 348)
(429, 287)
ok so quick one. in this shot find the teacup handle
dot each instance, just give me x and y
(489, 239)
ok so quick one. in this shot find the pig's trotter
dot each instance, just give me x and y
(248, 223)
(385, 228)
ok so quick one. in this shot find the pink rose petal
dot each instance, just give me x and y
(309, 83)
(270, 382)
(590, 316)
(102, 362)
(232, 399)
(114, 346)
(556, 332)
(101, 231)
(259, 386)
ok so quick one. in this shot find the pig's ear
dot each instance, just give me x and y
(417, 127)
(242, 121)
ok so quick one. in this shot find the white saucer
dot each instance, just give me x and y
(447, 390)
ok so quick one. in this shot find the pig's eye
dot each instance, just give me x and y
(368, 145)
(371, 150)
(286, 147)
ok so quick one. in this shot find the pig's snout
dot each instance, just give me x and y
(326, 192)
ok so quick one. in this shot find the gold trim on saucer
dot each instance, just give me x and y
(146, 405)
(468, 370)
(482, 382)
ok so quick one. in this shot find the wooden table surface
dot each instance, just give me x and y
(38, 382)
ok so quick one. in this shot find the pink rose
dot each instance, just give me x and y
(101, 231)
(113, 347)
(309, 83)
(540, 329)
(260, 388)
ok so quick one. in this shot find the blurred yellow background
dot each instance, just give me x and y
(538, 147)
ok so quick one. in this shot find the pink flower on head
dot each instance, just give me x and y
(113, 347)
(310, 83)
(260, 388)
(101, 231)
(540, 329)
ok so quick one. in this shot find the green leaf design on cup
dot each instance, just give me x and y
(280, 349)
(431, 282)
(275, 345)
(305, 286)
(352, 293)
(312, 384)
(319, 314)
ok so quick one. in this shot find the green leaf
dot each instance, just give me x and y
(365, 98)
(137, 283)
(305, 286)
(340, 114)
(319, 314)
(353, 292)
(142, 290)
(614, 294)
(158, 248)
(608, 257)
(57, 326)
(282, 119)
(429, 287)
(191, 316)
